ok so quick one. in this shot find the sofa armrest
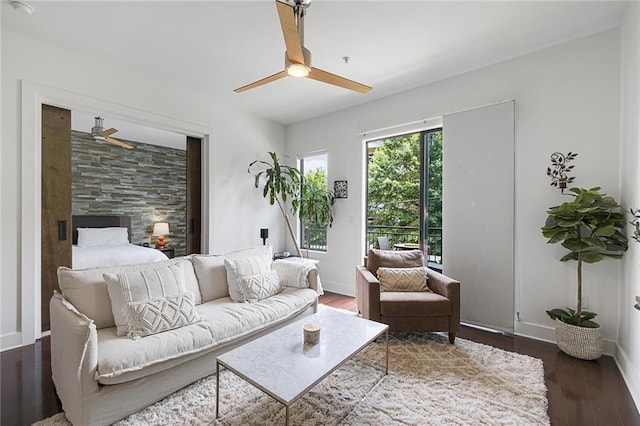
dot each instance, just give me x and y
(449, 288)
(74, 356)
(367, 294)
(298, 272)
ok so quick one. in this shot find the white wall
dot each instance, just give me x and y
(628, 354)
(567, 99)
(237, 209)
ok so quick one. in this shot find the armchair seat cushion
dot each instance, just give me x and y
(413, 304)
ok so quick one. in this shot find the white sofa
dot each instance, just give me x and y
(101, 377)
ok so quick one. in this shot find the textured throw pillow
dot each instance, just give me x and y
(403, 279)
(393, 259)
(259, 286)
(155, 315)
(141, 285)
(237, 268)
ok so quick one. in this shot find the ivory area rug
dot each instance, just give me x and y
(430, 382)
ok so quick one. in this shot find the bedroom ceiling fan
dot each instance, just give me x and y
(297, 58)
(99, 133)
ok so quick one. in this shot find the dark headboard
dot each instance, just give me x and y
(99, 222)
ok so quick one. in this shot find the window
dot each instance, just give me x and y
(313, 169)
(404, 193)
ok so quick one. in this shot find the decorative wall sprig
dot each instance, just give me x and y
(559, 169)
(636, 223)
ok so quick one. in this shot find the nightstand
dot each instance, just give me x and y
(170, 252)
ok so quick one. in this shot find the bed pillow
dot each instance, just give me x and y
(237, 268)
(90, 237)
(403, 279)
(142, 285)
(259, 286)
(152, 316)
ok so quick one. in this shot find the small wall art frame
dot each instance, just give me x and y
(341, 189)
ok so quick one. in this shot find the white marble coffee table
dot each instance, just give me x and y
(280, 365)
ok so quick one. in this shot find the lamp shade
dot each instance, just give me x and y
(160, 228)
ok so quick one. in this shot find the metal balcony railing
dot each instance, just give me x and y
(407, 234)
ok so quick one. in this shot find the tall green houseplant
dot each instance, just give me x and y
(315, 208)
(591, 228)
(281, 183)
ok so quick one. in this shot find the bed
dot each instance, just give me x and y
(104, 241)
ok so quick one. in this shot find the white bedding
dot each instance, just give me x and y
(114, 255)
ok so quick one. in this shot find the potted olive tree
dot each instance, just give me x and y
(591, 228)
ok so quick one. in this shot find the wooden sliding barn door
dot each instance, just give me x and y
(194, 197)
(56, 201)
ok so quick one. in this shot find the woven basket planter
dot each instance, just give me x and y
(579, 342)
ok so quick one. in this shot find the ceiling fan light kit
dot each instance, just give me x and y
(100, 134)
(297, 61)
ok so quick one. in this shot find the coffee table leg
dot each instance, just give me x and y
(386, 371)
(286, 421)
(217, 388)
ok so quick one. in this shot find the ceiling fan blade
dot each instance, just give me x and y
(274, 77)
(119, 143)
(290, 32)
(336, 80)
(108, 132)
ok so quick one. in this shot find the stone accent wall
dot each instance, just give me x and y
(147, 183)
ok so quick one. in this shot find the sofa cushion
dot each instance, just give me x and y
(259, 286)
(147, 284)
(152, 316)
(403, 279)
(87, 290)
(230, 320)
(410, 304)
(393, 259)
(237, 268)
(121, 360)
(212, 276)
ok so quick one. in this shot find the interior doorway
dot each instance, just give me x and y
(57, 189)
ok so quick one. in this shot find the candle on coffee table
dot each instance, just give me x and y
(311, 333)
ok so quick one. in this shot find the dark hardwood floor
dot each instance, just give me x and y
(580, 392)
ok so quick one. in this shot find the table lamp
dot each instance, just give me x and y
(160, 229)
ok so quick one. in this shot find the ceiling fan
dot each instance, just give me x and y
(99, 133)
(297, 59)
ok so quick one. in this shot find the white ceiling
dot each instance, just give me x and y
(216, 46)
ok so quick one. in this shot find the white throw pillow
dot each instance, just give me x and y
(141, 285)
(259, 286)
(90, 237)
(240, 267)
(403, 279)
(167, 313)
(212, 276)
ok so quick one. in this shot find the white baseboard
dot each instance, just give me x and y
(340, 288)
(548, 334)
(10, 341)
(629, 374)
